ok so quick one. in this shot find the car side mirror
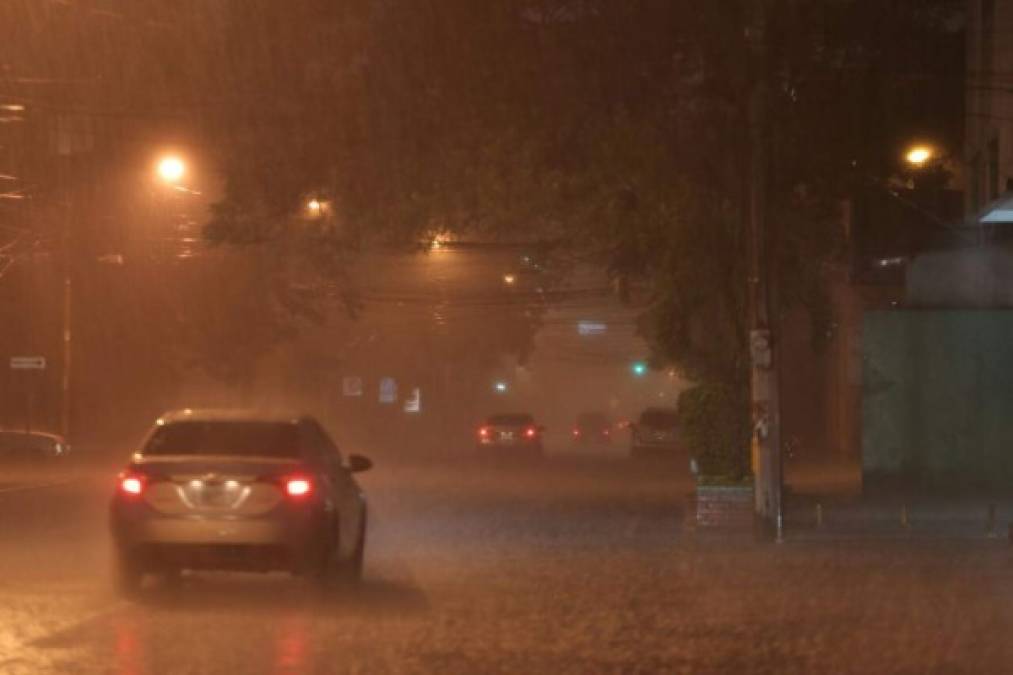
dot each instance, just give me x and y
(358, 463)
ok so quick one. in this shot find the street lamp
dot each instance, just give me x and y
(919, 155)
(509, 279)
(171, 169)
(315, 207)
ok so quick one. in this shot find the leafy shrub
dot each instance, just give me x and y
(715, 428)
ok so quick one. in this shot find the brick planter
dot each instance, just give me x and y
(719, 507)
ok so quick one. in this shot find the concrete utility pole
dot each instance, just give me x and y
(764, 382)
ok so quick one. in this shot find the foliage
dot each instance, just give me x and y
(715, 428)
(619, 129)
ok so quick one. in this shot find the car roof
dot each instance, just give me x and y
(230, 415)
(33, 432)
(663, 411)
(511, 416)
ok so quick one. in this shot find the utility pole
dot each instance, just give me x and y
(763, 337)
(70, 136)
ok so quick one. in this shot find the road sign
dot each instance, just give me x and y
(413, 404)
(28, 362)
(388, 390)
(351, 385)
(591, 327)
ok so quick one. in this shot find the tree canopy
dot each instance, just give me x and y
(619, 129)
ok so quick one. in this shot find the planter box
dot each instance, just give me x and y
(724, 507)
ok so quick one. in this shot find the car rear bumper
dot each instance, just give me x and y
(218, 556)
(533, 446)
(280, 540)
(199, 530)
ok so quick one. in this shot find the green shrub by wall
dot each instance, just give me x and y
(715, 429)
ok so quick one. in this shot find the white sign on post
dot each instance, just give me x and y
(413, 404)
(351, 385)
(28, 363)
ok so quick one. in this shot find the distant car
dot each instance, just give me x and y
(517, 431)
(226, 490)
(592, 428)
(32, 445)
(656, 432)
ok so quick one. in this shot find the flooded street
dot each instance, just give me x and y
(564, 565)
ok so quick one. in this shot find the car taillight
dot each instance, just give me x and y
(131, 484)
(483, 432)
(298, 487)
(606, 432)
(530, 432)
(576, 432)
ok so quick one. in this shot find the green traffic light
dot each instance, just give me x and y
(639, 368)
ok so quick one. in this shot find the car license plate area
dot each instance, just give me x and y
(506, 436)
(213, 494)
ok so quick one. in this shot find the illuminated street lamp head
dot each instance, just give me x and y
(315, 207)
(500, 387)
(171, 169)
(918, 155)
(509, 279)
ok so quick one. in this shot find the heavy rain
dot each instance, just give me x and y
(505, 336)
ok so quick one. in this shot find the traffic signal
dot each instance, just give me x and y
(638, 368)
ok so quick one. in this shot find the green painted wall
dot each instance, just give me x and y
(937, 397)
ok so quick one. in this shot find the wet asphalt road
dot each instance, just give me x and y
(564, 566)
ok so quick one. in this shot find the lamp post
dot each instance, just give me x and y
(919, 155)
(171, 169)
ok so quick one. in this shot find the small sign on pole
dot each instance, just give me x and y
(388, 390)
(28, 363)
(413, 404)
(351, 385)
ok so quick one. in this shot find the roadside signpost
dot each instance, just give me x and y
(388, 390)
(28, 363)
(413, 404)
(351, 385)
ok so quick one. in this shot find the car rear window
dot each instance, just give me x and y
(512, 419)
(662, 419)
(239, 439)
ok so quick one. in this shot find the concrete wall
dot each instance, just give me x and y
(937, 397)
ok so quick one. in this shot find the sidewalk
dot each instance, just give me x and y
(826, 500)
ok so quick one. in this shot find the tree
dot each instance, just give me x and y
(618, 128)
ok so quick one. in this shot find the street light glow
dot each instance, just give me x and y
(918, 155)
(171, 169)
(315, 207)
(509, 279)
